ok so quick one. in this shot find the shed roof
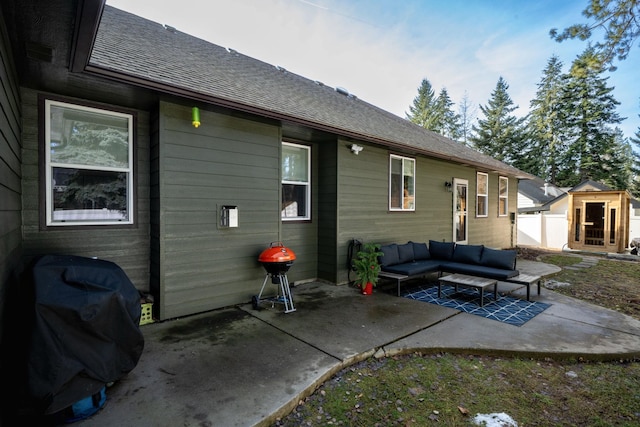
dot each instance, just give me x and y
(146, 53)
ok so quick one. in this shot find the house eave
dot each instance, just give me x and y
(88, 17)
(222, 102)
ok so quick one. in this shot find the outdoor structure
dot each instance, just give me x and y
(599, 220)
(590, 216)
(181, 161)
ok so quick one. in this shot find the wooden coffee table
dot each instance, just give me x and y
(471, 282)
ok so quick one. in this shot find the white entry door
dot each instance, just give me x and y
(460, 204)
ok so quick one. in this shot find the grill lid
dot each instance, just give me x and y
(277, 252)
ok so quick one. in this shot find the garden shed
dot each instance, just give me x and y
(599, 220)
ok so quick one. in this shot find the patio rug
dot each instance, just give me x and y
(513, 311)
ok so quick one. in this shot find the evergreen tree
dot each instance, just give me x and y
(619, 165)
(450, 126)
(501, 134)
(618, 18)
(546, 126)
(425, 110)
(589, 111)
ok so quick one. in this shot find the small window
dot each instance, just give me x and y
(296, 182)
(612, 226)
(89, 165)
(482, 194)
(402, 184)
(503, 196)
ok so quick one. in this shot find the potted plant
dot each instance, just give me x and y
(367, 267)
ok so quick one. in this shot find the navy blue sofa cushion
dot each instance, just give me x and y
(414, 268)
(441, 250)
(469, 254)
(479, 270)
(405, 252)
(390, 256)
(499, 258)
(420, 251)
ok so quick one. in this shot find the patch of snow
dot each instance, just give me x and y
(494, 420)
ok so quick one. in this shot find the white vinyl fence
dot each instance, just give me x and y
(543, 231)
(551, 230)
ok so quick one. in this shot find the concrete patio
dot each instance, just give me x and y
(242, 367)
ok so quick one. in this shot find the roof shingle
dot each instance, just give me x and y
(141, 50)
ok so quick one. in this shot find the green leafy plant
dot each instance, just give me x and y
(366, 264)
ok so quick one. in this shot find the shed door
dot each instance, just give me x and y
(594, 224)
(460, 187)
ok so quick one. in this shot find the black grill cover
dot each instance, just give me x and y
(86, 329)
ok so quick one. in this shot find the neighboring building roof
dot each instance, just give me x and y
(130, 48)
(539, 191)
(534, 190)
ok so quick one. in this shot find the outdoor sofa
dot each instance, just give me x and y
(402, 262)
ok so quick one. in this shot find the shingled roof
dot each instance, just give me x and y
(143, 52)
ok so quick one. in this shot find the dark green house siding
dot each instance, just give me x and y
(327, 212)
(128, 247)
(197, 264)
(363, 200)
(10, 167)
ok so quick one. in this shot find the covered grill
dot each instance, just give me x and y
(276, 260)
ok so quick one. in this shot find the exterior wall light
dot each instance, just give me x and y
(447, 185)
(356, 149)
(195, 117)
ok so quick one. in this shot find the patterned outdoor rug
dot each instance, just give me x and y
(513, 311)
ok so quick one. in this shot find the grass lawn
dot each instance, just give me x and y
(450, 390)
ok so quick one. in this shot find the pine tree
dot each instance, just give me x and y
(589, 111)
(618, 18)
(425, 110)
(619, 166)
(501, 134)
(546, 127)
(450, 126)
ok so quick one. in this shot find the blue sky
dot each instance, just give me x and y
(380, 50)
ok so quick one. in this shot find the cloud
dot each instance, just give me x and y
(381, 51)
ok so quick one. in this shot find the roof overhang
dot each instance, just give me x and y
(87, 22)
(89, 13)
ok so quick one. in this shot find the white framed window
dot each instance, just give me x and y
(402, 183)
(482, 194)
(503, 196)
(296, 182)
(88, 165)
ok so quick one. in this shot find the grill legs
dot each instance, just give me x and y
(283, 297)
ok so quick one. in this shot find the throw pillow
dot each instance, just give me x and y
(405, 253)
(505, 259)
(467, 254)
(441, 250)
(390, 256)
(420, 251)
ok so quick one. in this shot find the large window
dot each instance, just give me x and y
(89, 165)
(503, 196)
(482, 194)
(296, 182)
(402, 184)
